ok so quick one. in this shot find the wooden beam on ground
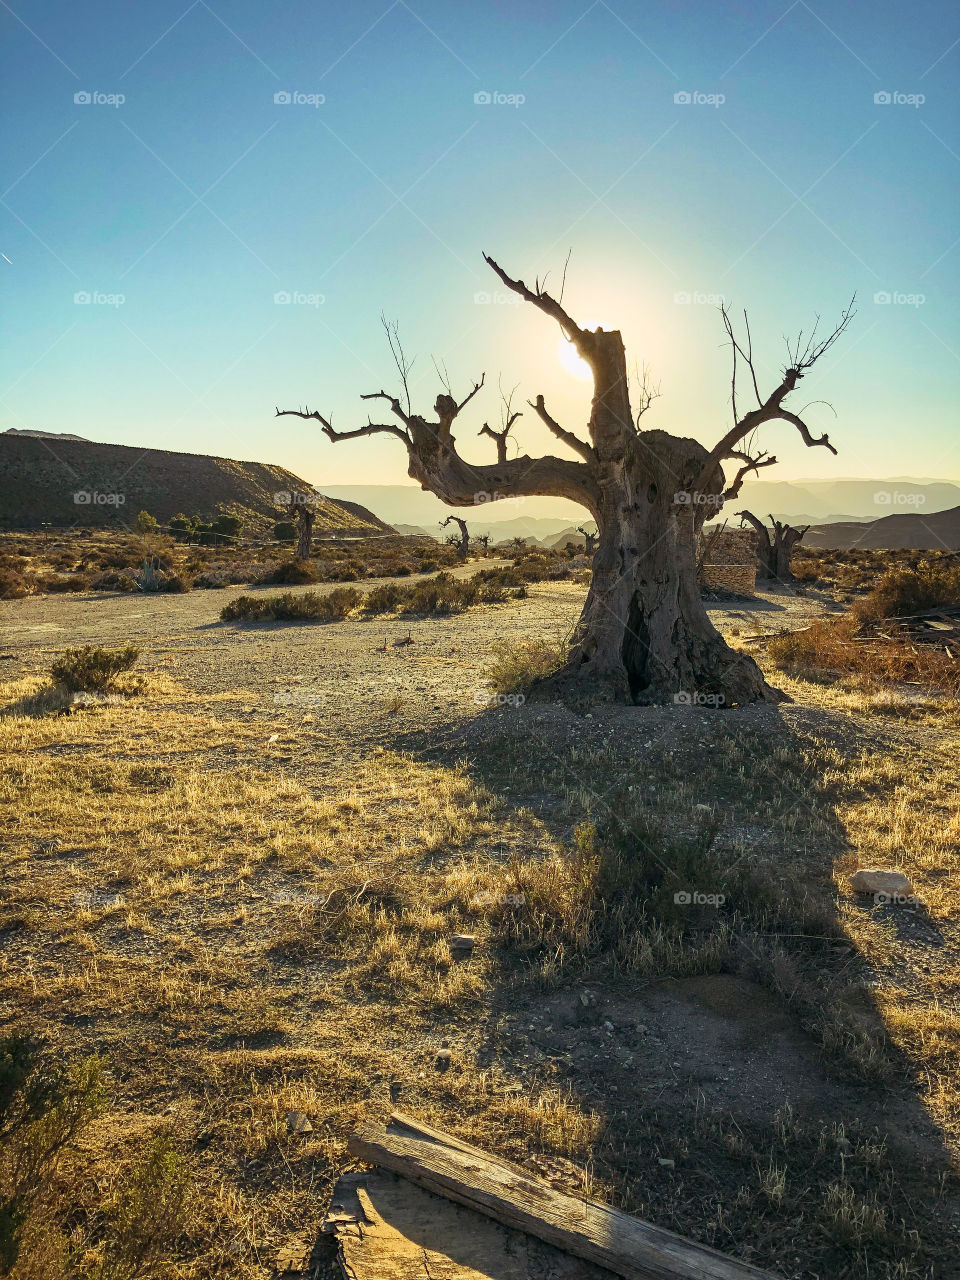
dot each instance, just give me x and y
(625, 1245)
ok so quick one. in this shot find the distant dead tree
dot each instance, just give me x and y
(483, 542)
(462, 543)
(303, 514)
(774, 545)
(518, 545)
(706, 544)
(589, 540)
(644, 634)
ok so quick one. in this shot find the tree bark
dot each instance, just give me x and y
(306, 515)
(775, 546)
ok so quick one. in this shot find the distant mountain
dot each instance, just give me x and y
(843, 500)
(69, 482)
(936, 531)
(409, 504)
(41, 435)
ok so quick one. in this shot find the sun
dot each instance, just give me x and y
(574, 364)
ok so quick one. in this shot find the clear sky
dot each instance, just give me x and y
(198, 198)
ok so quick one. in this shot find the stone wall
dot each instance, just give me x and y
(730, 561)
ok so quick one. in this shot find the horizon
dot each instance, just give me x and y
(198, 200)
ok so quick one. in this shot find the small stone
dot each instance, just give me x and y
(298, 1122)
(667, 1164)
(876, 880)
(442, 1061)
(608, 1028)
(462, 942)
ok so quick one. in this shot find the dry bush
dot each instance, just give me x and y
(903, 592)
(832, 646)
(311, 606)
(518, 665)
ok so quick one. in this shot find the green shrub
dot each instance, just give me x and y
(384, 599)
(285, 531)
(146, 523)
(92, 670)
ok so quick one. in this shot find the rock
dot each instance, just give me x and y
(462, 942)
(875, 880)
(298, 1122)
(442, 1061)
(667, 1164)
(608, 1028)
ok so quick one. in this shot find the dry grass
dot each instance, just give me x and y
(238, 944)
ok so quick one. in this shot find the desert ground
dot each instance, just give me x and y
(235, 883)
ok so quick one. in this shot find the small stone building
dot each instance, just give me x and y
(727, 560)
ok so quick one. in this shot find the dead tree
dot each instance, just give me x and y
(462, 543)
(774, 546)
(306, 515)
(644, 634)
(589, 540)
(483, 542)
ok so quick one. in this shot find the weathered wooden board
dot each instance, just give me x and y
(585, 1228)
(388, 1228)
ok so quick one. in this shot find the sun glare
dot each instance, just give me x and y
(574, 364)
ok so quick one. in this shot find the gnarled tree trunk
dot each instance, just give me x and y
(462, 543)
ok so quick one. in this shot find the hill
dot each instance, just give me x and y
(938, 531)
(60, 481)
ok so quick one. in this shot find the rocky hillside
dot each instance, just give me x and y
(61, 481)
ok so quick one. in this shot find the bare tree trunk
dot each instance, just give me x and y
(462, 543)
(306, 515)
(589, 540)
(774, 546)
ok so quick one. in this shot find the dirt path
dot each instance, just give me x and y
(351, 677)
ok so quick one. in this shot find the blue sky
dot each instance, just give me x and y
(199, 198)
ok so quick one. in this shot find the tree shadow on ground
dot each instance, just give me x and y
(716, 1018)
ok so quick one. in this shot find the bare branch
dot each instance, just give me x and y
(549, 306)
(749, 464)
(400, 360)
(646, 391)
(372, 428)
(573, 442)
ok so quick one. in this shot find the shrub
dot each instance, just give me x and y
(383, 599)
(146, 523)
(907, 591)
(91, 670)
(13, 585)
(285, 531)
(310, 606)
(517, 666)
(114, 582)
(291, 573)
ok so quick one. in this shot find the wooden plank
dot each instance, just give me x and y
(388, 1228)
(625, 1245)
